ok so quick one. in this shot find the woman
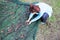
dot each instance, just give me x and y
(42, 10)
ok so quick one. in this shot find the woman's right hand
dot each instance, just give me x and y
(27, 22)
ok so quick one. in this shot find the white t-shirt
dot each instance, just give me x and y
(45, 8)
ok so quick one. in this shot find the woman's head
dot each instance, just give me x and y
(34, 8)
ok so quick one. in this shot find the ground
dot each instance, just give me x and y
(51, 30)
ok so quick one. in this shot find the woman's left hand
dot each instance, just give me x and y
(29, 23)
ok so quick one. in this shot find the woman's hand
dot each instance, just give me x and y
(28, 22)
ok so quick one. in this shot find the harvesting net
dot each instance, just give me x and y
(13, 15)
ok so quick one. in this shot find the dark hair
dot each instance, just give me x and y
(34, 8)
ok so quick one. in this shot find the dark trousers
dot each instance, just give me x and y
(44, 17)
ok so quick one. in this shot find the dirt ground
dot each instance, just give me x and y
(52, 30)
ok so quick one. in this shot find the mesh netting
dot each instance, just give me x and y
(12, 22)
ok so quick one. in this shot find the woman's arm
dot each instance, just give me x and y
(30, 16)
(36, 18)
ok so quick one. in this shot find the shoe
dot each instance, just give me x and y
(42, 23)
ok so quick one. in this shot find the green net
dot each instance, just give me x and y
(12, 22)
